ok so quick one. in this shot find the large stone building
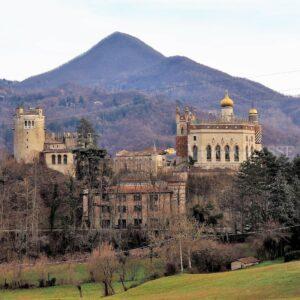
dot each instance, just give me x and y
(33, 143)
(149, 161)
(224, 141)
(136, 201)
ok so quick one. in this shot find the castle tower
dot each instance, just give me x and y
(253, 115)
(227, 108)
(182, 127)
(29, 134)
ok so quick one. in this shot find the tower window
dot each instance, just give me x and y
(218, 153)
(236, 153)
(182, 130)
(195, 138)
(65, 159)
(59, 159)
(25, 124)
(227, 153)
(208, 152)
(53, 159)
(195, 153)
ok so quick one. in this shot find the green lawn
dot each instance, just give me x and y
(277, 281)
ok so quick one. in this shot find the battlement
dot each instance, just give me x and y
(20, 111)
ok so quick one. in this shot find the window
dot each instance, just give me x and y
(137, 197)
(53, 159)
(29, 124)
(195, 153)
(105, 208)
(208, 152)
(247, 152)
(252, 149)
(195, 138)
(59, 159)
(25, 124)
(236, 153)
(65, 159)
(218, 153)
(153, 202)
(121, 197)
(122, 209)
(32, 123)
(122, 223)
(105, 223)
(227, 153)
(182, 130)
(137, 222)
(138, 208)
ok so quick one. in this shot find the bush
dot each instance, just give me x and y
(293, 255)
(170, 269)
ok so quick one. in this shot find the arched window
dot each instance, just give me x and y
(59, 159)
(65, 159)
(195, 153)
(208, 152)
(29, 124)
(236, 153)
(182, 130)
(218, 153)
(25, 124)
(53, 159)
(247, 152)
(227, 153)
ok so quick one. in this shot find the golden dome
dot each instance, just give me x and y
(226, 101)
(253, 111)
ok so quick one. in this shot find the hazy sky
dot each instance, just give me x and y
(243, 38)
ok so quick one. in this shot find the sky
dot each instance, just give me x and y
(256, 39)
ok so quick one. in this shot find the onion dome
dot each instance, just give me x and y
(253, 111)
(226, 101)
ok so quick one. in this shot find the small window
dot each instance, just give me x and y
(182, 130)
(137, 222)
(154, 202)
(32, 123)
(195, 153)
(122, 223)
(227, 153)
(65, 159)
(252, 149)
(122, 209)
(59, 159)
(29, 124)
(105, 223)
(195, 138)
(218, 153)
(53, 159)
(25, 124)
(138, 208)
(236, 153)
(137, 197)
(208, 153)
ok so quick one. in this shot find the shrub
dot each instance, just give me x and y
(170, 269)
(292, 255)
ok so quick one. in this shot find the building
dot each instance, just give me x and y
(33, 143)
(136, 201)
(224, 141)
(149, 161)
(244, 262)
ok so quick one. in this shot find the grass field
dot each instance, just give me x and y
(276, 281)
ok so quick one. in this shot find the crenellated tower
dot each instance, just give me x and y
(29, 134)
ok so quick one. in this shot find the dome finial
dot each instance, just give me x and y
(226, 101)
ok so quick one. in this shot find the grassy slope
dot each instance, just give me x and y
(270, 281)
(273, 281)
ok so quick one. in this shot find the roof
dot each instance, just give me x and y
(146, 152)
(134, 189)
(248, 260)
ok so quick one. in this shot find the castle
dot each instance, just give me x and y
(224, 141)
(32, 142)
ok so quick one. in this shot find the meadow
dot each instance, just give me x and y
(267, 280)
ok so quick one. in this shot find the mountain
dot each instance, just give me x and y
(121, 70)
(111, 59)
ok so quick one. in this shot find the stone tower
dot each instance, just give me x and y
(29, 134)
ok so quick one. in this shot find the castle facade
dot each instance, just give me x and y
(224, 141)
(33, 143)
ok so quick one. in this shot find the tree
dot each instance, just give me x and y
(86, 134)
(103, 264)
